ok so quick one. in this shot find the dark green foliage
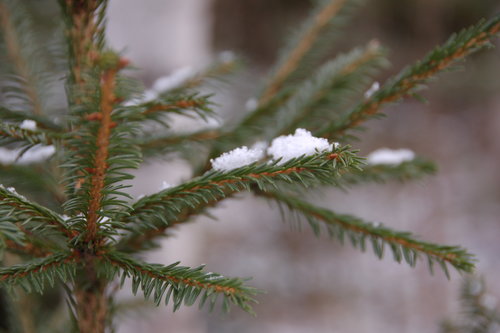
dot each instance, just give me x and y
(381, 173)
(183, 285)
(91, 230)
(413, 78)
(403, 245)
(34, 275)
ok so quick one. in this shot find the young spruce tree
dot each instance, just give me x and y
(66, 219)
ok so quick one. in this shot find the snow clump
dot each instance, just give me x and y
(28, 125)
(295, 145)
(390, 156)
(236, 158)
(373, 89)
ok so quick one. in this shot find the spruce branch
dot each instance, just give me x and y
(10, 133)
(33, 275)
(412, 79)
(215, 71)
(85, 34)
(322, 19)
(333, 82)
(27, 179)
(165, 207)
(101, 155)
(182, 284)
(15, 25)
(187, 105)
(402, 244)
(20, 209)
(381, 173)
(43, 122)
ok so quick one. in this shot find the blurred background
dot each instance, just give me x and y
(311, 284)
(316, 285)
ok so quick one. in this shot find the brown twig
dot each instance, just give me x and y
(102, 142)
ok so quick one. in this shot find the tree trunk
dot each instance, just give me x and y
(91, 306)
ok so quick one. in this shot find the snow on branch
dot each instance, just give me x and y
(237, 158)
(287, 147)
(175, 204)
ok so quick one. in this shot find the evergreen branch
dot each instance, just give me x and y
(26, 249)
(15, 52)
(215, 71)
(101, 155)
(402, 244)
(319, 21)
(410, 170)
(309, 105)
(331, 83)
(13, 133)
(28, 179)
(18, 116)
(33, 275)
(177, 204)
(85, 39)
(183, 284)
(411, 79)
(184, 105)
(22, 210)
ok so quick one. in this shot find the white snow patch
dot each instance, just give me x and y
(251, 104)
(13, 191)
(390, 156)
(236, 158)
(174, 80)
(34, 155)
(28, 125)
(373, 89)
(301, 143)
